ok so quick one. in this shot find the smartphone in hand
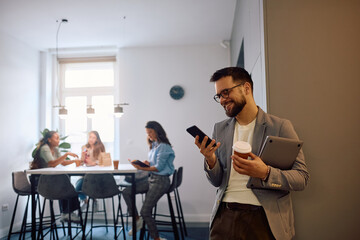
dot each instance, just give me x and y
(195, 131)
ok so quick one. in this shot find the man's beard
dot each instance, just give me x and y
(238, 107)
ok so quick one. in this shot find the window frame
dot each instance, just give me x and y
(61, 92)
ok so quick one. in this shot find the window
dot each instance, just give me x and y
(89, 75)
(83, 84)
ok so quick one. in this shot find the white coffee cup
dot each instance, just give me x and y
(242, 149)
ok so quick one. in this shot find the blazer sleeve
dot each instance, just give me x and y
(297, 177)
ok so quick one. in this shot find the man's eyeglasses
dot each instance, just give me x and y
(225, 93)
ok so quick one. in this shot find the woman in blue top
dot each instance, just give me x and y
(161, 166)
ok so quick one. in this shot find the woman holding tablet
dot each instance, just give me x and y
(161, 166)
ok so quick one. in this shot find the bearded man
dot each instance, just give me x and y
(240, 212)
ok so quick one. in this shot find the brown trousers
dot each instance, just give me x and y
(235, 221)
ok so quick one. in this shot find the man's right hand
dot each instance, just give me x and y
(209, 151)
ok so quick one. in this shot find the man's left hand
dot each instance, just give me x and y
(253, 168)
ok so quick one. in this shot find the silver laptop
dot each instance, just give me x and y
(280, 152)
(277, 152)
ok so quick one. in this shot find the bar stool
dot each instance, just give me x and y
(178, 201)
(22, 187)
(102, 186)
(123, 184)
(59, 187)
(79, 190)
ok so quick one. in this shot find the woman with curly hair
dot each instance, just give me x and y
(48, 155)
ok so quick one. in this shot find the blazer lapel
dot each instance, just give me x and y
(228, 142)
(259, 132)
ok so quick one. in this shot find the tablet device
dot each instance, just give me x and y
(139, 163)
(195, 131)
(277, 152)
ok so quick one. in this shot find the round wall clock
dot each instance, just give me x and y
(177, 92)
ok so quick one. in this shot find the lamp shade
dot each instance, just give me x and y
(90, 112)
(62, 112)
(118, 111)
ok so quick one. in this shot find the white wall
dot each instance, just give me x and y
(248, 25)
(19, 95)
(146, 76)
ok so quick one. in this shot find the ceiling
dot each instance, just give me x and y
(120, 23)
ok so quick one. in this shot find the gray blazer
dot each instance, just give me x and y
(275, 193)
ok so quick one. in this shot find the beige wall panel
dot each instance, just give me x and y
(313, 79)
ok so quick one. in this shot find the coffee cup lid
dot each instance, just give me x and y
(242, 147)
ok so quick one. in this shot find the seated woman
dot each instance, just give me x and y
(161, 158)
(89, 155)
(48, 155)
(91, 151)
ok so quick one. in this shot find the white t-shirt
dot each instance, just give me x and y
(236, 190)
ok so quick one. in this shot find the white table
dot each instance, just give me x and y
(71, 170)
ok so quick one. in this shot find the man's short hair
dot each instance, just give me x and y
(238, 74)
